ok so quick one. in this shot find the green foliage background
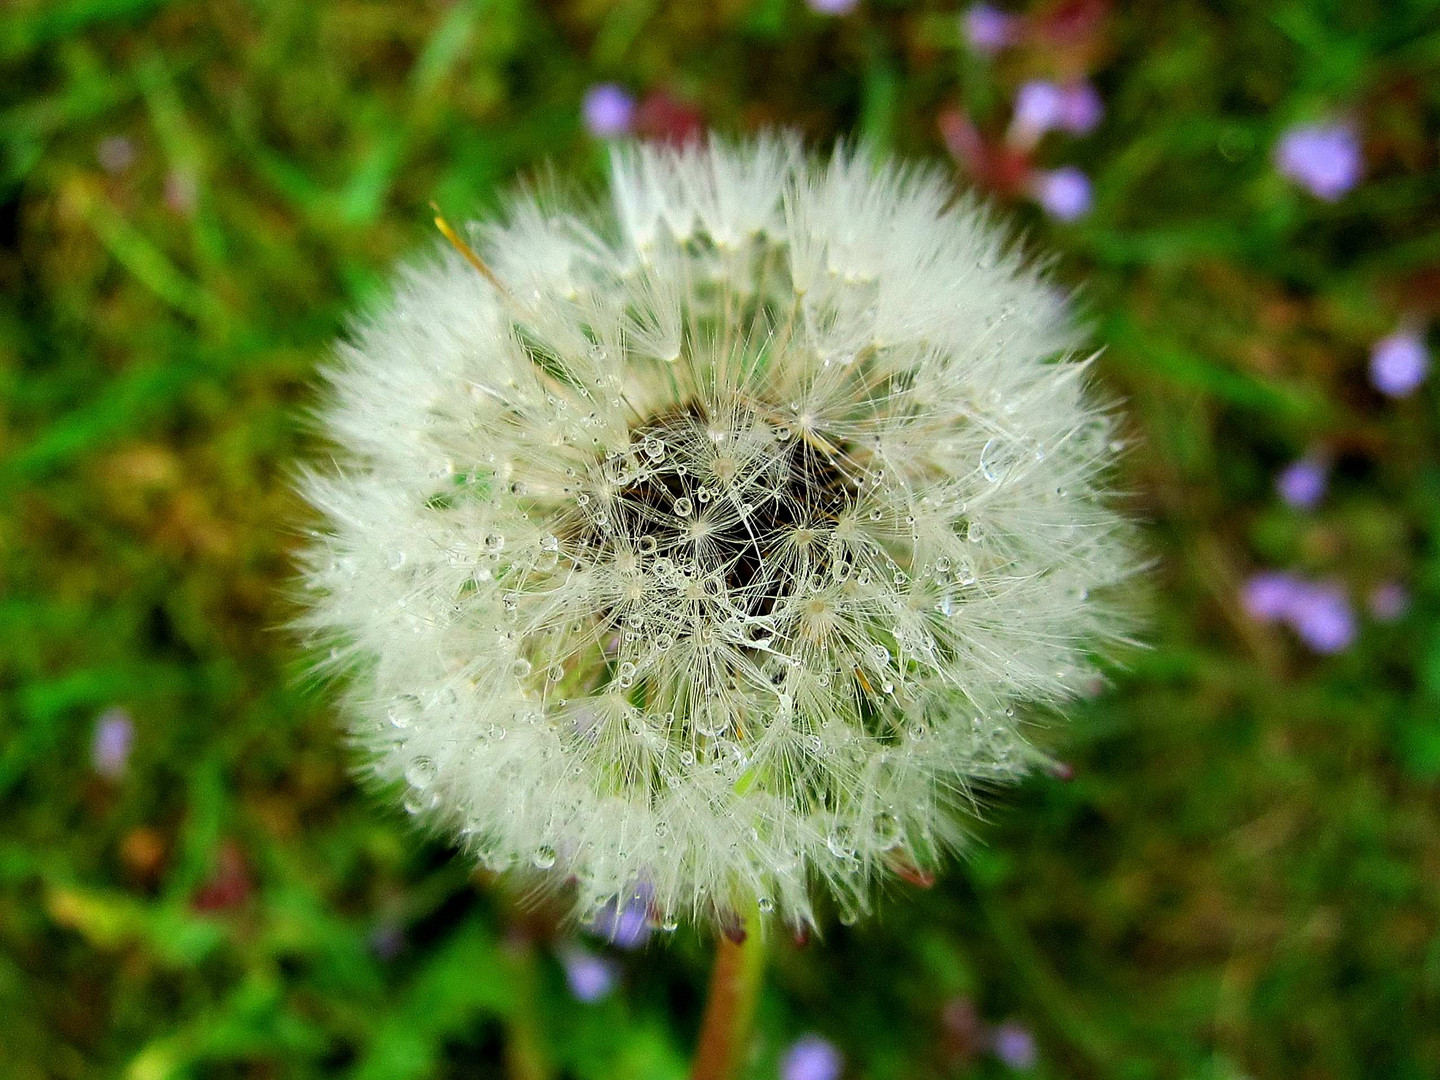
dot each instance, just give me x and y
(1240, 881)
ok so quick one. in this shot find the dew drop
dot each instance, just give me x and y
(521, 667)
(765, 904)
(654, 448)
(420, 773)
(494, 543)
(975, 532)
(403, 711)
(417, 803)
(647, 545)
(396, 559)
(544, 857)
(987, 462)
(683, 507)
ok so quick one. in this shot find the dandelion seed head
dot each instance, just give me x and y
(713, 542)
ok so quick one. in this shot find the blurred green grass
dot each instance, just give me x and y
(1240, 881)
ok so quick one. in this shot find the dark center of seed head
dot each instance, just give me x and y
(730, 511)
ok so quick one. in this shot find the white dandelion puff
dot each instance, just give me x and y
(707, 544)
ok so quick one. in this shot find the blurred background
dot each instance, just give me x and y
(1235, 872)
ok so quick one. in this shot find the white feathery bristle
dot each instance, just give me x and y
(708, 548)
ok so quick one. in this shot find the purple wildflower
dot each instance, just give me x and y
(387, 939)
(1270, 595)
(1323, 617)
(989, 29)
(626, 926)
(1325, 159)
(1015, 1046)
(833, 7)
(811, 1058)
(1038, 108)
(1302, 483)
(588, 976)
(1399, 363)
(110, 745)
(1080, 108)
(1389, 601)
(1063, 193)
(608, 110)
(115, 154)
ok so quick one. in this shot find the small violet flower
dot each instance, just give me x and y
(110, 745)
(1302, 483)
(1038, 107)
(1325, 159)
(1269, 596)
(811, 1058)
(589, 977)
(833, 7)
(1042, 106)
(387, 939)
(1324, 619)
(1399, 363)
(1389, 601)
(608, 111)
(1062, 193)
(1081, 109)
(1319, 613)
(1015, 1047)
(115, 153)
(988, 29)
(627, 926)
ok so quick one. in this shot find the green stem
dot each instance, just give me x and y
(734, 993)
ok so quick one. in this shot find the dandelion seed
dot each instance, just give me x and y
(679, 624)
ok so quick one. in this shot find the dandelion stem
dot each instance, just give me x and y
(734, 992)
